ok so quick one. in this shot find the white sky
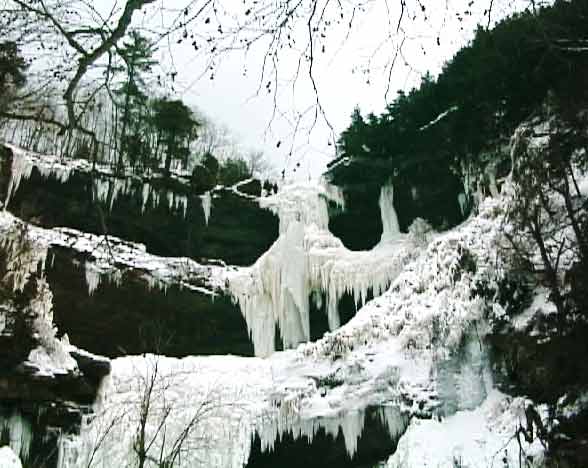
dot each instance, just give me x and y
(230, 99)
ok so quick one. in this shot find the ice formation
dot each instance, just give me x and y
(391, 229)
(206, 206)
(92, 278)
(413, 352)
(308, 260)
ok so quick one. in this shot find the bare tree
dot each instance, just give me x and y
(78, 42)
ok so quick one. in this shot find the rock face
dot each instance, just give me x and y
(165, 213)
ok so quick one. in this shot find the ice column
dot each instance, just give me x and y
(391, 229)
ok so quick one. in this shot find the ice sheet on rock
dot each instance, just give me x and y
(482, 437)
(307, 259)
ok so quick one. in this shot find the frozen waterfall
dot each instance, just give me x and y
(390, 226)
(307, 259)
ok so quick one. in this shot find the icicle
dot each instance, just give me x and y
(491, 174)
(390, 225)
(206, 206)
(352, 427)
(145, 196)
(92, 278)
(119, 186)
(20, 435)
(334, 193)
(394, 420)
(462, 200)
(102, 189)
(182, 203)
(21, 168)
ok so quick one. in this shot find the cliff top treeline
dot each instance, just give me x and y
(466, 115)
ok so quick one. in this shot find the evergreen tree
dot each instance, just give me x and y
(176, 127)
(137, 55)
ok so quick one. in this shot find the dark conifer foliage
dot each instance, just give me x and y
(466, 115)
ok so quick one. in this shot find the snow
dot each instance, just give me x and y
(8, 458)
(439, 118)
(482, 437)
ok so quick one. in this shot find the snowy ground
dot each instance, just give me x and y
(8, 458)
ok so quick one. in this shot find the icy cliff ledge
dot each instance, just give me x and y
(108, 258)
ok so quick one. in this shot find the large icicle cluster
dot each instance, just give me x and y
(307, 259)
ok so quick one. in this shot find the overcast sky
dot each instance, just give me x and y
(342, 80)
